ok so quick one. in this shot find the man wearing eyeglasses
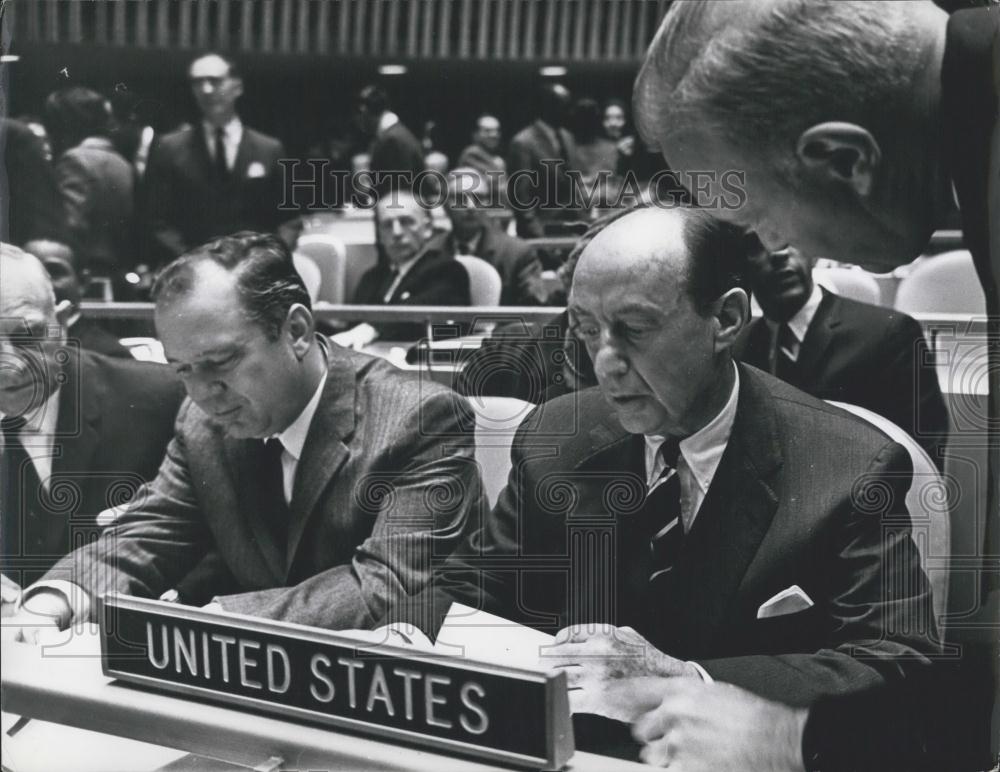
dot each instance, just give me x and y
(215, 177)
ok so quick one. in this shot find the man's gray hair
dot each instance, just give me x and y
(759, 75)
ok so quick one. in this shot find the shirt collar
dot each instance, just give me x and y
(799, 324)
(48, 417)
(387, 121)
(233, 130)
(703, 450)
(293, 439)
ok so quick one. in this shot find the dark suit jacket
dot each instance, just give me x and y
(386, 482)
(186, 205)
(93, 337)
(510, 256)
(115, 420)
(562, 545)
(396, 150)
(553, 191)
(868, 356)
(30, 204)
(534, 362)
(98, 190)
(436, 279)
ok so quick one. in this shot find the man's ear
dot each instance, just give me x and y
(842, 153)
(300, 328)
(731, 316)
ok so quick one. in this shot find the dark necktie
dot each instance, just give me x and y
(272, 480)
(221, 168)
(19, 490)
(784, 365)
(661, 514)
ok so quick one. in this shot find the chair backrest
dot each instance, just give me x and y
(329, 254)
(849, 283)
(306, 268)
(497, 419)
(485, 284)
(946, 283)
(928, 502)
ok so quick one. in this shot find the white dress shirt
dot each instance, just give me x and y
(294, 438)
(799, 324)
(386, 122)
(232, 133)
(39, 438)
(699, 457)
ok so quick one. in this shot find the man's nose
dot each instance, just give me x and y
(608, 359)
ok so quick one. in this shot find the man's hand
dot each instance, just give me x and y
(40, 617)
(613, 671)
(714, 727)
(357, 337)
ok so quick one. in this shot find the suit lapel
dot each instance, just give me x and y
(325, 450)
(242, 161)
(78, 426)
(733, 518)
(819, 336)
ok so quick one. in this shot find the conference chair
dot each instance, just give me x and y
(849, 283)
(928, 503)
(329, 255)
(311, 276)
(497, 419)
(485, 284)
(943, 284)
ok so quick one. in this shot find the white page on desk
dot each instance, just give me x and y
(468, 632)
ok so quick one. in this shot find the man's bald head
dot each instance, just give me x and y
(32, 334)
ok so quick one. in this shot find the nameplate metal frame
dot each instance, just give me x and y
(507, 714)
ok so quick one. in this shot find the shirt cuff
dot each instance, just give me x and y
(702, 672)
(78, 600)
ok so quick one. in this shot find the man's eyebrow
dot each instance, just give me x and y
(227, 349)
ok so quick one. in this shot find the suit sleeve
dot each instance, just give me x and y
(75, 189)
(881, 630)
(160, 204)
(423, 500)
(913, 395)
(521, 191)
(152, 545)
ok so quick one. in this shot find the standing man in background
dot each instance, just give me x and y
(216, 177)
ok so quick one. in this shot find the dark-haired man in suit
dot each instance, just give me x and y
(836, 348)
(307, 469)
(216, 177)
(394, 149)
(81, 432)
(679, 521)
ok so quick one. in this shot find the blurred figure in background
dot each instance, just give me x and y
(596, 155)
(483, 154)
(36, 210)
(394, 149)
(68, 285)
(97, 184)
(478, 233)
(216, 177)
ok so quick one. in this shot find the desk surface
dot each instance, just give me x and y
(63, 684)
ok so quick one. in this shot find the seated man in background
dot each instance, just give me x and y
(329, 521)
(59, 261)
(735, 540)
(417, 267)
(836, 348)
(469, 204)
(483, 154)
(81, 432)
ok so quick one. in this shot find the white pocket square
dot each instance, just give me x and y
(256, 170)
(788, 601)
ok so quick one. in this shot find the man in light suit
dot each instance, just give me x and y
(679, 521)
(836, 348)
(366, 472)
(81, 432)
(216, 177)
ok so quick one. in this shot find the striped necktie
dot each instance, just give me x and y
(662, 514)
